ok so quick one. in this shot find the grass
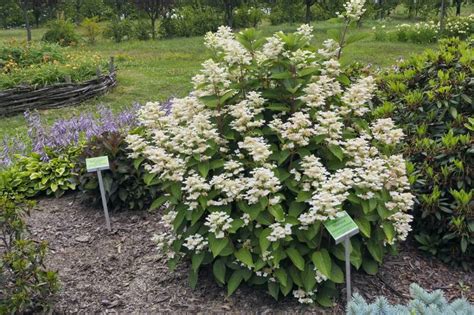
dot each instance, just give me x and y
(158, 70)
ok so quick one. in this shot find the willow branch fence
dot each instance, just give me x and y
(22, 98)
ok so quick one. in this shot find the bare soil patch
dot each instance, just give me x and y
(120, 271)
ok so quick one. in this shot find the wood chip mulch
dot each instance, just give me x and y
(120, 271)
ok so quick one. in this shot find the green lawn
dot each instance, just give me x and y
(158, 70)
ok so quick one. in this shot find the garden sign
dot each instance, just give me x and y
(98, 164)
(341, 229)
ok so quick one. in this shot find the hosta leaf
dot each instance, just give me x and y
(370, 266)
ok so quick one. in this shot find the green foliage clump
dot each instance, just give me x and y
(40, 64)
(430, 96)
(119, 30)
(126, 184)
(287, 11)
(274, 141)
(189, 21)
(62, 32)
(247, 16)
(92, 29)
(422, 303)
(30, 175)
(142, 30)
(26, 286)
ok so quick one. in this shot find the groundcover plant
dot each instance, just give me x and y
(274, 141)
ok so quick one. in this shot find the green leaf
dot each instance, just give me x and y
(375, 249)
(273, 289)
(337, 275)
(282, 276)
(217, 244)
(264, 242)
(295, 275)
(336, 151)
(303, 196)
(219, 269)
(193, 278)
(296, 258)
(234, 281)
(370, 266)
(309, 278)
(158, 203)
(389, 231)
(364, 226)
(244, 256)
(355, 37)
(197, 261)
(137, 162)
(148, 178)
(322, 261)
(277, 211)
(203, 168)
(286, 289)
(383, 211)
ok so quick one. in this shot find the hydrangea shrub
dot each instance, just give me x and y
(273, 141)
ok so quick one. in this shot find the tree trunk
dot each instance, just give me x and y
(458, 7)
(442, 17)
(24, 8)
(228, 13)
(153, 29)
(308, 11)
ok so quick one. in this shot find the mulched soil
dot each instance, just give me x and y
(120, 271)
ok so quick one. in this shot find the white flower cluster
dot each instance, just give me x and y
(257, 148)
(384, 131)
(330, 49)
(246, 111)
(195, 186)
(354, 9)
(304, 297)
(165, 239)
(357, 96)
(297, 131)
(195, 242)
(262, 183)
(317, 92)
(218, 222)
(279, 231)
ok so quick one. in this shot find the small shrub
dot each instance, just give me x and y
(247, 16)
(126, 184)
(274, 141)
(92, 29)
(422, 302)
(190, 21)
(62, 32)
(461, 27)
(430, 96)
(26, 286)
(119, 30)
(142, 30)
(287, 11)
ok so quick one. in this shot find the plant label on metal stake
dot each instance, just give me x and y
(341, 229)
(98, 164)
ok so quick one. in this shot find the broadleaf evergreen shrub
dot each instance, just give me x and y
(422, 302)
(430, 97)
(26, 286)
(273, 141)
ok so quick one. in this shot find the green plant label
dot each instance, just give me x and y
(97, 164)
(342, 227)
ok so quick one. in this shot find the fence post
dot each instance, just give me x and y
(111, 65)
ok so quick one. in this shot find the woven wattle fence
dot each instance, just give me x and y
(20, 99)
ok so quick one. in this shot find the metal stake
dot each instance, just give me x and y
(347, 252)
(104, 201)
